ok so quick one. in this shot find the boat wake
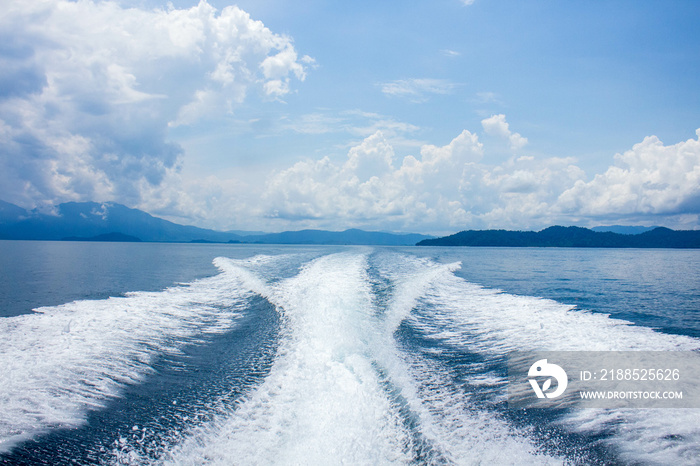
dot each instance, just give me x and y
(380, 357)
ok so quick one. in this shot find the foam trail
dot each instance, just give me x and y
(482, 318)
(464, 316)
(353, 380)
(454, 429)
(322, 402)
(326, 399)
(62, 361)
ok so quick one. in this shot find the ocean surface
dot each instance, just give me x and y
(189, 354)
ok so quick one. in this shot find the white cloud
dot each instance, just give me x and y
(89, 90)
(448, 188)
(445, 188)
(278, 66)
(370, 187)
(465, 148)
(519, 193)
(374, 157)
(649, 179)
(496, 125)
(417, 90)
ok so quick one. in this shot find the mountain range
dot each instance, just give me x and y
(92, 221)
(577, 237)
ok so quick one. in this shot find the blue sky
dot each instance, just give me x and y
(406, 116)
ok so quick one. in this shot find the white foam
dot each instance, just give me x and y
(62, 361)
(492, 323)
(326, 398)
(459, 432)
(646, 436)
(322, 402)
(474, 317)
(411, 278)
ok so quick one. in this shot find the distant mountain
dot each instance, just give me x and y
(91, 221)
(558, 236)
(623, 229)
(352, 236)
(10, 213)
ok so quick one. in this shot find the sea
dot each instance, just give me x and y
(191, 354)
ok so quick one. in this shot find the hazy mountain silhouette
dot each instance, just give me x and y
(576, 237)
(92, 221)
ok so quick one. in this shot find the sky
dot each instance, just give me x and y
(414, 116)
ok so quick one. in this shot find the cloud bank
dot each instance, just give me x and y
(89, 89)
(649, 179)
(371, 188)
(452, 187)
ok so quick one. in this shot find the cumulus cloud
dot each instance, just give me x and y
(496, 125)
(465, 148)
(371, 186)
(519, 193)
(651, 178)
(444, 187)
(88, 91)
(451, 187)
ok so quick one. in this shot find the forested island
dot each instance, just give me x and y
(570, 237)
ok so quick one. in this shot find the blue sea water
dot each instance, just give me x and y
(147, 353)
